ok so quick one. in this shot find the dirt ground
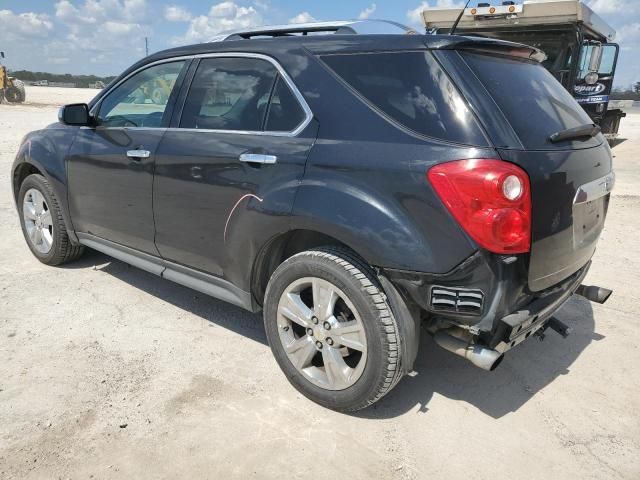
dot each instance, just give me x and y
(109, 372)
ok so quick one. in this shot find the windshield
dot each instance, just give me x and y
(529, 97)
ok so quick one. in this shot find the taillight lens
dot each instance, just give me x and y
(490, 199)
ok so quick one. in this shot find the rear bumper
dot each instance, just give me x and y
(509, 311)
(516, 327)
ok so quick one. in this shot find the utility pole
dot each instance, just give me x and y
(146, 45)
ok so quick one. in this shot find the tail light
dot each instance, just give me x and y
(490, 199)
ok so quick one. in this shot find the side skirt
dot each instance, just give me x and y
(208, 284)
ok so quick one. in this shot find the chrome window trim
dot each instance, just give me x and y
(259, 56)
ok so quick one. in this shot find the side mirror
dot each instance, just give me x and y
(1, 54)
(596, 58)
(75, 114)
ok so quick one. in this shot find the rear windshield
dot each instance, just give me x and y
(533, 101)
(412, 89)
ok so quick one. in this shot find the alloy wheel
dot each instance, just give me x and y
(322, 333)
(37, 221)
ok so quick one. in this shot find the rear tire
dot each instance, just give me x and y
(354, 362)
(42, 224)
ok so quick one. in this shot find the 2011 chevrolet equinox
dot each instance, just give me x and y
(352, 186)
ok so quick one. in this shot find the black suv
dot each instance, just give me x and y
(352, 186)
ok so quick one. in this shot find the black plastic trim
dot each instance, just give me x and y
(208, 284)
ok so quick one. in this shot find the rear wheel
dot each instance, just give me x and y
(331, 329)
(42, 224)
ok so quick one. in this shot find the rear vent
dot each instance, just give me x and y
(459, 300)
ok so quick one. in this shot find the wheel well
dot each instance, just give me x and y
(281, 248)
(21, 172)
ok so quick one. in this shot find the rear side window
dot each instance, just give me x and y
(285, 113)
(229, 94)
(535, 104)
(412, 89)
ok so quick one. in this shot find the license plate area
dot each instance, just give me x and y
(588, 221)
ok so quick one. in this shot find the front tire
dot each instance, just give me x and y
(331, 329)
(42, 224)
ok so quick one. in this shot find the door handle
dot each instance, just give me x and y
(137, 154)
(258, 158)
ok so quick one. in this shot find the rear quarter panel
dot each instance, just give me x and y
(365, 183)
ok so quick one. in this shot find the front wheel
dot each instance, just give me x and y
(42, 223)
(331, 330)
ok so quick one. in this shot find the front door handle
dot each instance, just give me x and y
(137, 154)
(258, 158)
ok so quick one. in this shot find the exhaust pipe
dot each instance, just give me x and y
(480, 356)
(593, 293)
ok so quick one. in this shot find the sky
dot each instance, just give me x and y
(103, 37)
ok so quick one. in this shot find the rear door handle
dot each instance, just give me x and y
(137, 154)
(258, 158)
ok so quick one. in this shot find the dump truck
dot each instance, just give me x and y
(578, 45)
(11, 89)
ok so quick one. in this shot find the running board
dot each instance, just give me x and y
(202, 282)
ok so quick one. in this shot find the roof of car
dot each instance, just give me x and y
(330, 43)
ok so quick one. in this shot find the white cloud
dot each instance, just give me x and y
(628, 34)
(414, 16)
(173, 13)
(24, 24)
(261, 4)
(609, 6)
(304, 17)
(223, 16)
(94, 11)
(99, 31)
(108, 26)
(367, 12)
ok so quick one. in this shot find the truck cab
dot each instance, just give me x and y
(578, 44)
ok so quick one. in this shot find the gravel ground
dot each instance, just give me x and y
(109, 372)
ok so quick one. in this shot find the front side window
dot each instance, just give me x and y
(141, 100)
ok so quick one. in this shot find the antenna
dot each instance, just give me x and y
(455, 24)
(146, 45)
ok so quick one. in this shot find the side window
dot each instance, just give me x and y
(285, 112)
(229, 94)
(141, 100)
(413, 90)
(607, 62)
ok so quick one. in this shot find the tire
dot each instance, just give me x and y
(344, 272)
(60, 250)
(16, 94)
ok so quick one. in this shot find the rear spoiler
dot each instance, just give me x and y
(498, 47)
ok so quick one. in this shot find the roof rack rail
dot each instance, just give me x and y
(338, 27)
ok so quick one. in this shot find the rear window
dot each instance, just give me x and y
(412, 89)
(533, 101)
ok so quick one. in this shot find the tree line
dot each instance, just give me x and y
(81, 81)
(628, 93)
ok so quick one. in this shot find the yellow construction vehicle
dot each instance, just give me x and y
(11, 89)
